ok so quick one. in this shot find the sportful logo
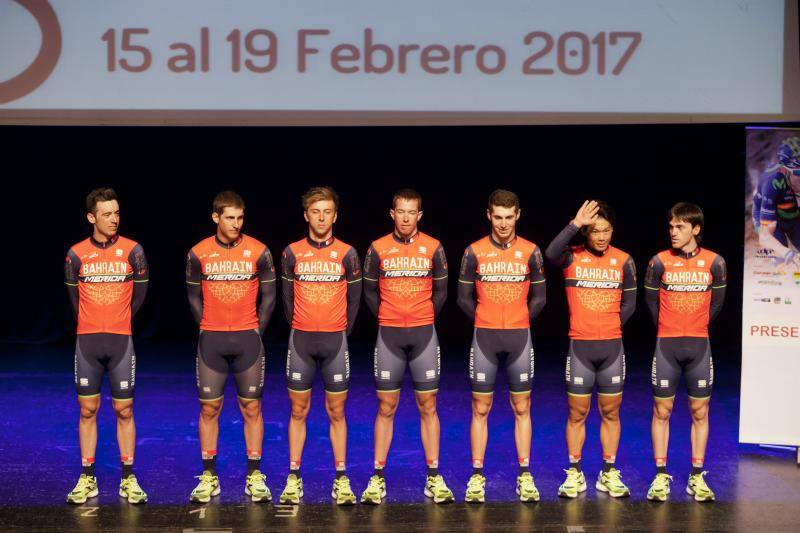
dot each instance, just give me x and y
(46, 59)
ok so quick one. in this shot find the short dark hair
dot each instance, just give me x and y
(227, 199)
(607, 212)
(318, 194)
(688, 212)
(101, 194)
(503, 198)
(407, 194)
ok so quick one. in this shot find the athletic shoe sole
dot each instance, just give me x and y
(267, 498)
(287, 501)
(602, 488)
(564, 494)
(690, 492)
(124, 494)
(344, 502)
(92, 494)
(368, 501)
(429, 494)
(215, 492)
(524, 499)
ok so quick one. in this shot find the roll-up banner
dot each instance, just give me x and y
(771, 303)
(362, 60)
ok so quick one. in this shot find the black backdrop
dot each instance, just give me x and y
(166, 178)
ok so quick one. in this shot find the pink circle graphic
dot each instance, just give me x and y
(47, 58)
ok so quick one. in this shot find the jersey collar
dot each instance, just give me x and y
(595, 252)
(319, 245)
(226, 245)
(505, 246)
(103, 245)
(686, 255)
(403, 240)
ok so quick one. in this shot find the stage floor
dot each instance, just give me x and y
(757, 489)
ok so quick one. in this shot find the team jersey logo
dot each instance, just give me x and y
(319, 271)
(406, 267)
(598, 278)
(502, 271)
(105, 272)
(228, 271)
(686, 281)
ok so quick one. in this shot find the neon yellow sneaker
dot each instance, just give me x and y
(293, 490)
(526, 490)
(208, 487)
(611, 482)
(255, 486)
(476, 489)
(375, 491)
(436, 488)
(697, 487)
(86, 488)
(342, 492)
(575, 483)
(129, 488)
(659, 488)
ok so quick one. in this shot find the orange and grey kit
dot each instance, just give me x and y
(601, 293)
(321, 284)
(224, 283)
(684, 293)
(502, 288)
(405, 287)
(106, 283)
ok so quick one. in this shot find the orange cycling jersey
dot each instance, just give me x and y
(231, 277)
(321, 285)
(594, 285)
(685, 291)
(502, 275)
(405, 271)
(601, 286)
(101, 278)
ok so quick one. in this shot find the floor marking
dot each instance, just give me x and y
(201, 513)
(286, 511)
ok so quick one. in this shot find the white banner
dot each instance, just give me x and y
(771, 303)
(534, 56)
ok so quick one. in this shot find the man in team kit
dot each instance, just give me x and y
(321, 281)
(502, 289)
(226, 275)
(685, 290)
(405, 287)
(776, 214)
(106, 277)
(600, 283)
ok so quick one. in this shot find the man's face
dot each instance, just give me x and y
(406, 216)
(320, 216)
(682, 233)
(503, 219)
(793, 177)
(105, 218)
(229, 223)
(598, 235)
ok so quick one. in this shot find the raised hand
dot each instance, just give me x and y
(587, 214)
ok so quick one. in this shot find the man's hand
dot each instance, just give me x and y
(587, 214)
